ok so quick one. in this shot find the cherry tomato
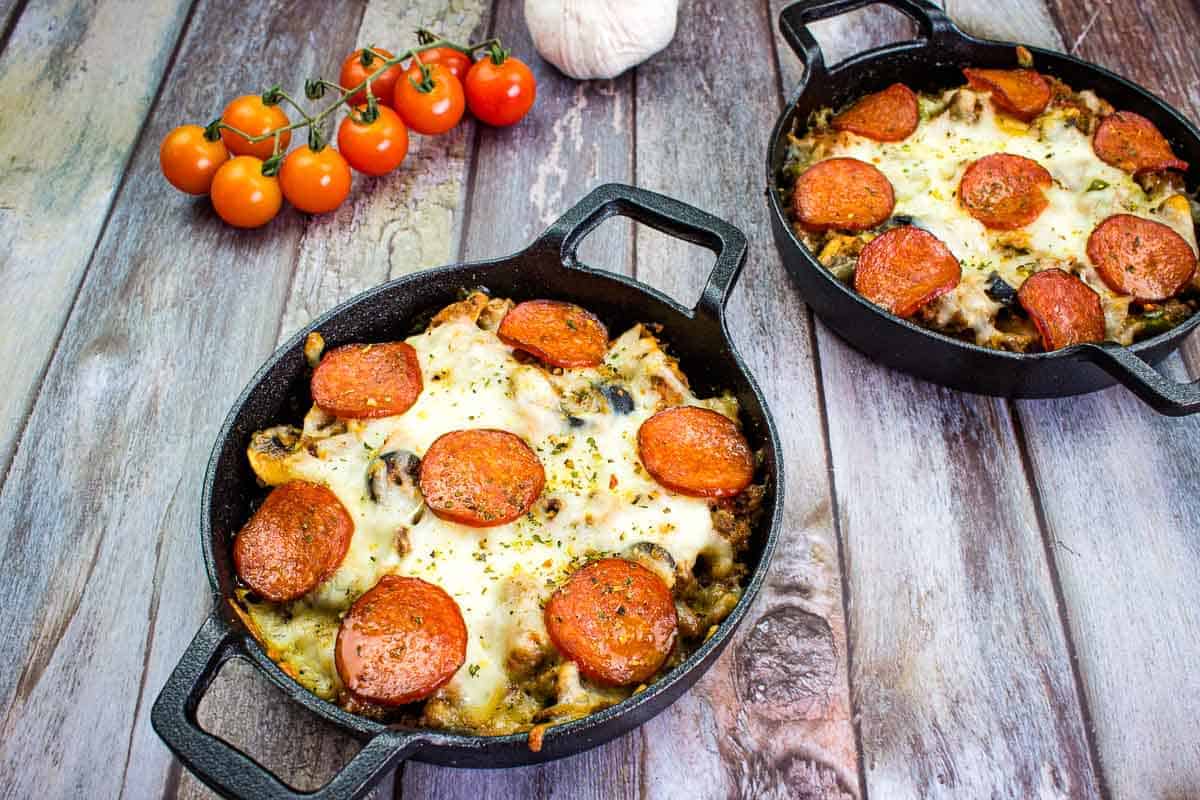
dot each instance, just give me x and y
(315, 181)
(374, 148)
(189, 160)
(500, 94)
(429, 106)
(250, 114)
(242, 195)
(457, 62)
(355, 72)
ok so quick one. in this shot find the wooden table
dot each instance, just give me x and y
(972, 598)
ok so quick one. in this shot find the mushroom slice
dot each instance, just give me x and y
(392, 478)
(655, 558)
(270, 453)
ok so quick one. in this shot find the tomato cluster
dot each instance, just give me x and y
(384, 96)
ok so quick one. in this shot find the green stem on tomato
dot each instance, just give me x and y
(347, 92)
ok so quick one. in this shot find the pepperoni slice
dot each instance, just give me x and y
(695, 451)
(400, 642)
(842, 193)
(1004, 191)
(562, 334)
(1065, 309)
(295, 540)
(364, 381)
(1141, 257)
(480, 477)
(1130, 142)
(615, 619)
(1023, 93)
(888, 116)
(904, 269)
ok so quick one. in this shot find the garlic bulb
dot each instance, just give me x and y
(599, 38)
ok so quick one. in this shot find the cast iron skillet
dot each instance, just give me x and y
(547, 268)
(933, 61)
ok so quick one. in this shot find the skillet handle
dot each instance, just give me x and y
(662, 213)
(227, 770)
(931, 21)
(1164, 395)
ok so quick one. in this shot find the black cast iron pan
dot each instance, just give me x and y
(934, 61)
(547, 268)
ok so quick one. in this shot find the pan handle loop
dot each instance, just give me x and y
(932, 23)
(1161, 393)
(227, 770)
(664, 214)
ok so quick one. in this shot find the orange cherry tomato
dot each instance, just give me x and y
(251, 115)
(430, 105)
(457, 62)
(189, 160)
(500, 94)
(242, 195)
(374, 148)
(354, 72)
(315, 181)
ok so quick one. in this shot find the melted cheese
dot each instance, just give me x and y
(597, 499)
(925, 170)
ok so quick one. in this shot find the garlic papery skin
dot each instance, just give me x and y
(600, 38)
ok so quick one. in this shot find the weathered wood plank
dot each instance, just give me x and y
(961, 672)
(405, 221)
(100, 509)
(577, 136)
(75, 95)
(9, 12)
(392, 225)
(772, 718)
(1117, 483)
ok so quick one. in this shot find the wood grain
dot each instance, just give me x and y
(100, 507)
(64, 143)
(1117, 483)
(405, 221)
(578, 135)
(772, 717)
(961, 676)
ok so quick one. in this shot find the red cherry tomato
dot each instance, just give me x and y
(458, 63)
(251, 115)
(373, 148)
(315, 181)
(242, 195)
(429, 105)
(500, 94)
(355, 72)
(189, 160)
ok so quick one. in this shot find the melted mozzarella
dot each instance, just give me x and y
(602, 502)
(925, 171)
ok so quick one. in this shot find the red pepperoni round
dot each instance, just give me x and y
(1023, 93)
(364, 381)
(1141, 257)
(615, 619)
(1130, 142)
(695, 451)
(904, 269)
(1004, 191)
(1065, 310)
(888, 116)
(562, 334)
(480, 477)
(844, 194)
(296, 539)
(400, 642)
